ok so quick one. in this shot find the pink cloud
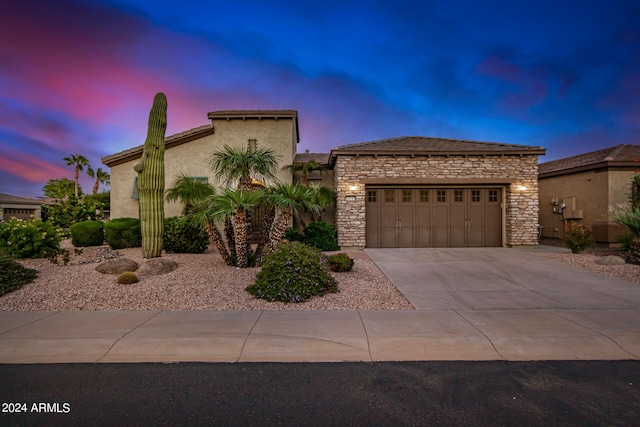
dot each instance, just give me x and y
(30, 168)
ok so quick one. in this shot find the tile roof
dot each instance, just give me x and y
(322, 158)
(620, 155)
(170, 141)
(433, 146)
(9, 199)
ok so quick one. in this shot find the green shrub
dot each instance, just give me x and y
(292, 272)
(625, 240)
(293, 235)
(87, 233)
(184, 237)
(67, 212)
(123, 233)
(577, 237)
(127, 278)
(28, 239)
(340, 262)
(322, 236)
(12, 275)
(629, 218)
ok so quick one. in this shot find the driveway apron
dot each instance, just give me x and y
(521, 301)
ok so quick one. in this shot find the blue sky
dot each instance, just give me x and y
(80, 76)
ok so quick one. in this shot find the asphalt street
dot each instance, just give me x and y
(567, 393)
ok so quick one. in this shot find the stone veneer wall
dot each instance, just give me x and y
(521, 195)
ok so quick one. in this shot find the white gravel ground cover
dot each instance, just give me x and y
(628, 272)
(201, 282)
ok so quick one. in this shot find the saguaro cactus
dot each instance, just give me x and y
(151, 180)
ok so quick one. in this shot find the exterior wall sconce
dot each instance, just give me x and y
(521, 188)
(353, 187)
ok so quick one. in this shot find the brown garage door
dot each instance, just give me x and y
(433, 217)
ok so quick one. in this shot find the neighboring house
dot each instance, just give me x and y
(189, 152)
(19, 207)
(582, 189)
(399, 192)
(435, 192)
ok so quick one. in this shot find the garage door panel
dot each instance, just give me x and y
(435, 217)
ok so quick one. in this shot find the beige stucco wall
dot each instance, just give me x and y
(192, 158)
(594, 191)
(520, 174)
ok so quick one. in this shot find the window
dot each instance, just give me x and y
(406, 196)
(424, 196)
(475, 195)
(134, 191)
(493, 195)
(457, 196)
(372, 196)
(389, 196)
(442, 195)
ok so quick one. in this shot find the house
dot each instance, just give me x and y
(398, 192)
(19, 207)
(189, 153)
(432, 192)
(582, 189)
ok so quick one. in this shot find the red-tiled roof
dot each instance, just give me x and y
(620, 155)
(413, 145)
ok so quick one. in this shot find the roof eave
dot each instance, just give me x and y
(604, 165)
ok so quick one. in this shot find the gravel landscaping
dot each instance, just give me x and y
(201, 282)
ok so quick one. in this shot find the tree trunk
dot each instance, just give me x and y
(243, 234)
(265, 231)
(95, 187)
(280, 228)
(216, 238)
(229, 233)
(77, 177)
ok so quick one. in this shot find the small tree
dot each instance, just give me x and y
(187, 190)
(79, 162)
(60, 188)
(242, 165)
(101, 177)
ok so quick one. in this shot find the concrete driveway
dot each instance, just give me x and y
(524, 304)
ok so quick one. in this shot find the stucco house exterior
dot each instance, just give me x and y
(19, 207)
(399, 192)
(582, 189)
(189, 152)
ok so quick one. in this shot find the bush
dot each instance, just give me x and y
(292, 272)
(184, 237)
(625, 240)
(123, 233)
(577, 237)
(28, 239)
(629, 218)
(127, 278)
(340, 262)
(12, 275)
(87, 233)
(322, 236)
(67, 212)
(293, 235)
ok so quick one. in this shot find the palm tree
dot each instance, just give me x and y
(242, 165)
(239, 203)
(289, 199)
(323, 197)
(206, 212)
(187, 190)
(78, 161)
(305, 168)
(101, 177)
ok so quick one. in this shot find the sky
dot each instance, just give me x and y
(79, 76)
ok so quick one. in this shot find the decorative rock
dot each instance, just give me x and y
(156, 267)
(610, 260)
(117, 266)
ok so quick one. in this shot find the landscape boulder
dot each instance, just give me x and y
(610, 260)
(156, 267)
(117, 266)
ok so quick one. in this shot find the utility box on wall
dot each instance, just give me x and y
(570, 210)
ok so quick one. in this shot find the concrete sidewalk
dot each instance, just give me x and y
(471, 304)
